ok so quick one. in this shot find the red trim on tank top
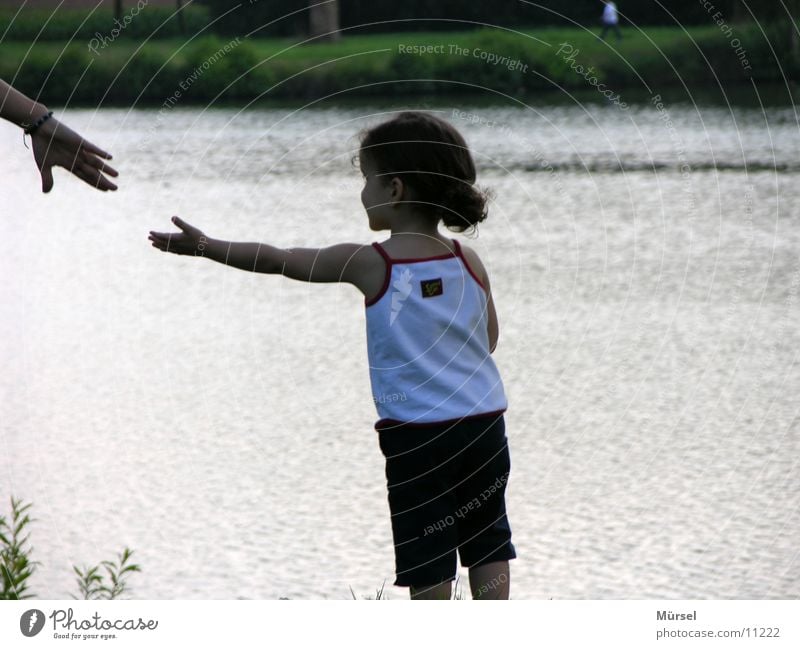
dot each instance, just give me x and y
(415, 260)
(386, 277)
(466, 263)
(412, 260)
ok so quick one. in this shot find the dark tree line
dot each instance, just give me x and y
(325, 19)
(119, 8)
(293, 17)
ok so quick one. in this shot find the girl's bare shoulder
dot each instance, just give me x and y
(369, 269)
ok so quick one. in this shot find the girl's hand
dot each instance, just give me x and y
(191, 241)
(57, 145)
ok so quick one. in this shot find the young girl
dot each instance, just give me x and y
(431, 327)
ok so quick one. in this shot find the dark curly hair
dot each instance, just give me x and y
(430, 156)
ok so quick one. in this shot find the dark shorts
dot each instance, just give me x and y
(447, 493)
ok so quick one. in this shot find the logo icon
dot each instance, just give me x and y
(402, 289)
(31, 622)
(431, 287)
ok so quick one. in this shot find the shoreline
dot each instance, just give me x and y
(771, 94)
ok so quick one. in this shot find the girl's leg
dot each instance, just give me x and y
(490, 581)
(439, 591)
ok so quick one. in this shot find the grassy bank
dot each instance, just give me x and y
(204, 68)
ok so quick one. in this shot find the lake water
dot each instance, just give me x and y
(646, 273)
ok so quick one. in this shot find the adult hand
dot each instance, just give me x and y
(57, 145)
(191, 241)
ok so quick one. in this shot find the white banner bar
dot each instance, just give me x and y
(550, 624)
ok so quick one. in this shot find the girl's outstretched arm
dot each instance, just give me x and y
(345, 262)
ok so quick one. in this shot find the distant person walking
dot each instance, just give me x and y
(55, 144)
(610, 20)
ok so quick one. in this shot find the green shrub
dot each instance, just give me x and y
(15, 564)
(659, 57)
(16, 567)
(92, 584)
(80, 25)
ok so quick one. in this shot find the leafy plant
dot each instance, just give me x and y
(92, 584)
(15, 565)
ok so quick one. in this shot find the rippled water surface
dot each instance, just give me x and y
(646, 272)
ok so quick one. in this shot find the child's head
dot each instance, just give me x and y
(433, 162)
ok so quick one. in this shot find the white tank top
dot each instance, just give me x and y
(428, 343)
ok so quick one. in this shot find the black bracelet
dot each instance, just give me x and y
(30, 130)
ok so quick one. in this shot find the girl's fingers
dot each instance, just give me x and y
(168, 242)
(183, 225)
(166, 237)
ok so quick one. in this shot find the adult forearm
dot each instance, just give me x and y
(254, 257)
(17, 108)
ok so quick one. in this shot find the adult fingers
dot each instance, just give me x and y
(95, 162)
(91, 148)
(92, 176)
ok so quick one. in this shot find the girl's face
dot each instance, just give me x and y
(376, 197)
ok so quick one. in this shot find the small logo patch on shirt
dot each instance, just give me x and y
(431, 287)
